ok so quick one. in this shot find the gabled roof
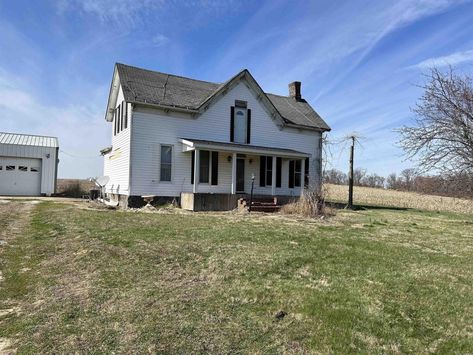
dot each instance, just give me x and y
(28, 139)
(173, 92)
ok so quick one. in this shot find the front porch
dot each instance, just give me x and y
(224, 172)
(239, 166)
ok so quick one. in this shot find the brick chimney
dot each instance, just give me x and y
(295, 90)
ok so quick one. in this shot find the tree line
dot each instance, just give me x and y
(445, 184)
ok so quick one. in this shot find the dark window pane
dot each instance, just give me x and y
(10, 167)
(166, 154)
(214, 168)
(278, 171)
(166, 163)
(204, 166)
(23, 168)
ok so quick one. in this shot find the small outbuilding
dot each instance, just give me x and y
(28, 164)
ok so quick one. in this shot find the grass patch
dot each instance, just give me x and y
(375, 280)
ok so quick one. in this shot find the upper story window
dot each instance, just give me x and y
(240, 123)
(120, 118)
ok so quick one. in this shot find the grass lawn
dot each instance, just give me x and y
(378, 280)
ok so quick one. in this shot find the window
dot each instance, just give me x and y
(1, 167)
(204, 166)
(166, 163)
(126, 114)
(306, 172)
(214, 168)
(208, 169)
(266, 171)
(10, 167)
(295, 173)
(240, 123)
(34, 169)
(121, 117)
(278, 171)
(23, 168)
(115, 122)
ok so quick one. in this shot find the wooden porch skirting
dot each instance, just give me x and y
(221, 202)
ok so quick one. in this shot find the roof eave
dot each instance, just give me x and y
(310, 128)
(166, 107)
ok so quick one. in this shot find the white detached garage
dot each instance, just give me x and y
(28, 164)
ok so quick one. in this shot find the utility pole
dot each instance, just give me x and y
(350, 174)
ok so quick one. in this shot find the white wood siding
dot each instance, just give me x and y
(152, 127)
(48, 166)
(117, 162)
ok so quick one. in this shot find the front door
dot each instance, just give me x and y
(240, 175)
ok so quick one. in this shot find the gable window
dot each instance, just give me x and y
(295, 173)
(166, 163)
(240, 123)
(266, 171)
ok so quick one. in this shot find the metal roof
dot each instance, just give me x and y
(28, 139)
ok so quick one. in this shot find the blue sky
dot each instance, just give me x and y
(359, 62)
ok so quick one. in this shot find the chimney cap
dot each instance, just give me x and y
(295, 90)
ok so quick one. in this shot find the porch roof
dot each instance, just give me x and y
(190, 144)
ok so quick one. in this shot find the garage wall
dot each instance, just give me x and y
(48, 166)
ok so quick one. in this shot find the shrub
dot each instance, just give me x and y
(311, 204)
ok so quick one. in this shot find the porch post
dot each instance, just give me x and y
(196, 170)
(273, 178)
(302, 177)
(234, 166)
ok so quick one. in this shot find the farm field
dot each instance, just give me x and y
(399, 199)
(76, 279)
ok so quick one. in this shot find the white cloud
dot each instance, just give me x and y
(160, 40)
(451, 59)
(81, 128)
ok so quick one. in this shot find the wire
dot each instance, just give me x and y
(79, 157)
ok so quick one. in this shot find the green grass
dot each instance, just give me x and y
(375, 281)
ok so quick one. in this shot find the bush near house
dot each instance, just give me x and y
(73, 187)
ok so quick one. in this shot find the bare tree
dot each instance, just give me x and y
(443, 135)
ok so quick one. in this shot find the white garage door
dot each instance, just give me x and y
(20, 176)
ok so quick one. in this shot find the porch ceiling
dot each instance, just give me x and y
(190, 144)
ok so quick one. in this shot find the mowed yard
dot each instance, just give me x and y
(76, 279)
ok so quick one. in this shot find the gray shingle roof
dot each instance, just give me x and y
(28, 139)
(152, 87)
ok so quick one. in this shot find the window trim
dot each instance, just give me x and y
(292, 174)
(212, 153)
(171, 164)
(268, 178)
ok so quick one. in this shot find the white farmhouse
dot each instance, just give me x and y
(204, 143)
(28, 164)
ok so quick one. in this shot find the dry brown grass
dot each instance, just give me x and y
(73, 187)
(401, 199)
